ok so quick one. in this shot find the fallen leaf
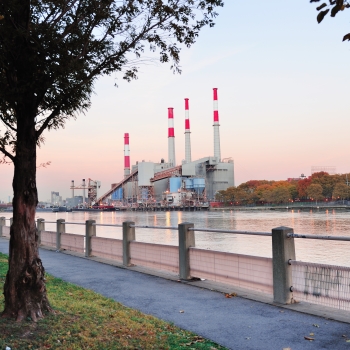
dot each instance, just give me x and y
(308, 338)
(182, 311)
(230, 295)
(312, 334)
(344, 336)
(287, 349)
(282, 311)
(247, 338)
(316, 325)
(347, 341)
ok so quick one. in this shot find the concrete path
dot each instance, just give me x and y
(236, 323)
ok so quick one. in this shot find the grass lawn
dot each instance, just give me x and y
(86, 320)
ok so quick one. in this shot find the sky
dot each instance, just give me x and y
(283, 85)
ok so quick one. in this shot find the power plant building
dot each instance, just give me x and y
(192, 183)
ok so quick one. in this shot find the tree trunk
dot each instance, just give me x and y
(24, 289)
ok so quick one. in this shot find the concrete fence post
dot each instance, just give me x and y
(60, 228)
(40, 225)
(283, 249)
(186, 240)
(2, 224)
(11, 221)
(128, 236)
(90, 231)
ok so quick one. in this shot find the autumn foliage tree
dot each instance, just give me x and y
(318, 186)
(314, 191)
(341, 191)
(51, 54)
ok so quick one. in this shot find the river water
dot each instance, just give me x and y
(320, 222)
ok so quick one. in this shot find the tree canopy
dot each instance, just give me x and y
(51, 54)
(318, 186)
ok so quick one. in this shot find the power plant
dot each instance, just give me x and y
(166, 184)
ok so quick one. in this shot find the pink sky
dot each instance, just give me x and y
(283, 103)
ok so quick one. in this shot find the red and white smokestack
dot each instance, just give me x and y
(187, 133)
(216, 125)
(126, 155)
(171, 138)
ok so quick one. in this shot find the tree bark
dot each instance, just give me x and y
(24, 289)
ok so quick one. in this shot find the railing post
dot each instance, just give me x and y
(283, 249)
(186, 240)
(128, 236)
(11, 221)
(60, 228)
(90, 231)
(2, 224)
(40, 225)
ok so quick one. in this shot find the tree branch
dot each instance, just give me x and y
(7, 154)
(8, 125)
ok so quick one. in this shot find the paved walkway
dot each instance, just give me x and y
(236, 323)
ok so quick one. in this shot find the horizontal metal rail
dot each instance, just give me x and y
(325, 266)
(267, 234)
(73, 223)
(156, 227)
(114, 225)
(329, 238)
(230, 231)
(64, 222)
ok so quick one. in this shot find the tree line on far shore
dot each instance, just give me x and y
(318, 187)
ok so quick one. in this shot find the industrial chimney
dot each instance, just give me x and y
(126, 155)
(187, 133)
(216, 125)
(83, 192)
(72, 187)
(171, 138)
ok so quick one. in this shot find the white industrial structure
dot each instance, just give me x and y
(171, 137)
(191, 184)
(126, 155)
(187, 133)
(216, 125)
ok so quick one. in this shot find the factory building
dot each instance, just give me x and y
(192, 183)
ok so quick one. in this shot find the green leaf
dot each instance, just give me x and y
(321, 15)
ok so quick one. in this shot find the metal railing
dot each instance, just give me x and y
(329, 238)
(231, 231)
(292, 280)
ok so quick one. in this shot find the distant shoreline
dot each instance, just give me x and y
(284, 207)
